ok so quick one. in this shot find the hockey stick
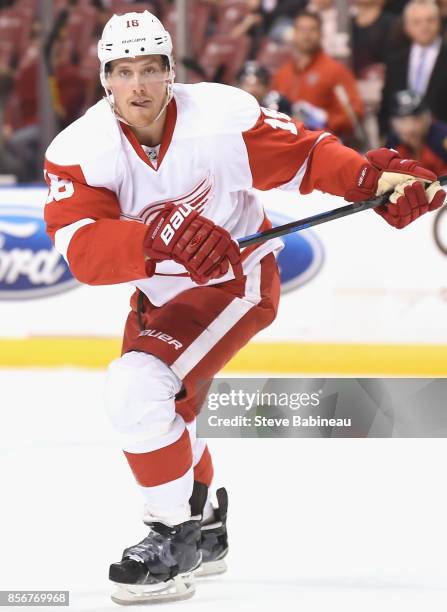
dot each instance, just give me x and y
(329, 215)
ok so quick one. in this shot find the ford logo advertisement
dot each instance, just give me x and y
(301, 258)
(29, 265)
(31, 268)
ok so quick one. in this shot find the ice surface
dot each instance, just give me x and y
(315, 524)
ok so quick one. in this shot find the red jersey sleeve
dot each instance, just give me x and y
(84, 224)
(282, 153)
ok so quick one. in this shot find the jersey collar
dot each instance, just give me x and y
(171, 119)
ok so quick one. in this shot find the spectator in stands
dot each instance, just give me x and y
(21, 123)
(255, 79)
(278, 17)
(372, 31)
(415, 134)
(252, 17)
(274, 18)
(251, 24)
(69, 85)
(422, 66)
(333, 42)
(323, 91)
(21, 131)
(8, 162)
(266, 18)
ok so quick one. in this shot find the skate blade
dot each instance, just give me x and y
(180, 587)
(212, 568)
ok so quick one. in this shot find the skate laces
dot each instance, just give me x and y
(154, 546)
(147, 550)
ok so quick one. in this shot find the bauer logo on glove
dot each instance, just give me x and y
(174, 223)
(205, 249)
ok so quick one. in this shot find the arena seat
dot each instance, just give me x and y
(15, 24)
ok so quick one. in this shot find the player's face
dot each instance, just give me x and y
(307, 35)
(139, 87)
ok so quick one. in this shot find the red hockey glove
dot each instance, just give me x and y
(415, 190)
(202, 247)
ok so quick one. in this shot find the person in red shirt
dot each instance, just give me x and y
(21, 126)
(320, 87)
(20, 129)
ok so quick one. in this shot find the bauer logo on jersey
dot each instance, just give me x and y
(302, 256)
(29, 265)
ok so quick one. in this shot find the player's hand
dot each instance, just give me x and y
(415, 190)
(202, 247)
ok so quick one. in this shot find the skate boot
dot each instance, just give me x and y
(214, 537)
(160, 567)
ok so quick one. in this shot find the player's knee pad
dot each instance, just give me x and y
(140, 393)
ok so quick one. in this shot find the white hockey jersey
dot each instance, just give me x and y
(217, 145)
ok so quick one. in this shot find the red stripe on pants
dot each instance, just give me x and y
(203, 471)
(163, 465)
(188, 315)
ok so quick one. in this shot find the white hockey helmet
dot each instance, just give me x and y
(133, 35)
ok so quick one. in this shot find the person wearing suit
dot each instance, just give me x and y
(422, 66)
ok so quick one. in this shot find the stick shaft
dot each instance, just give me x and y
(330, 215)
(295, 226)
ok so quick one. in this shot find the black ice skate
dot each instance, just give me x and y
(160, 567)
(214, 537)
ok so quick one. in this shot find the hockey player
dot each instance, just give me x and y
(151, 187)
